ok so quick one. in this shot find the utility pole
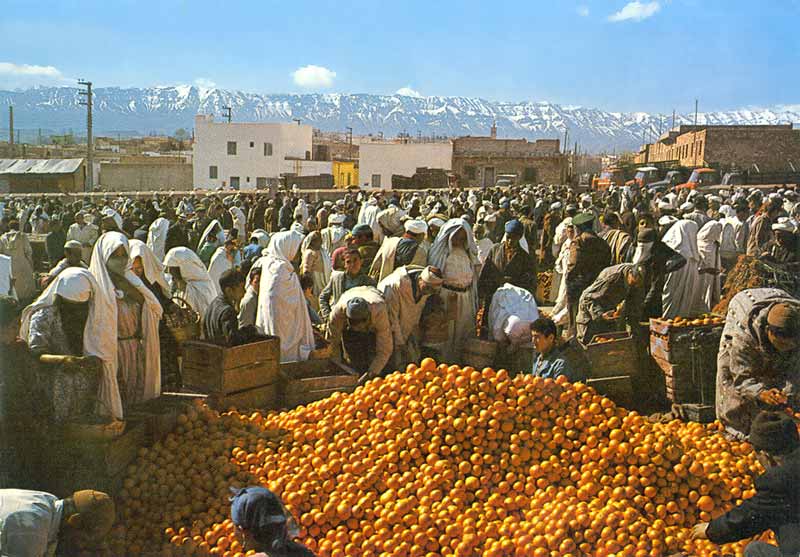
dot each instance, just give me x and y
(89, 143)
(11, 127)
(695, 111)
(673, 118)
(350, 142)
(566, 135)
(226, 113)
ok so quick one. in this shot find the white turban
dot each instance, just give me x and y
(436, 221)
(667, 219)
(687, 207)
(336, 218)
(416, 226)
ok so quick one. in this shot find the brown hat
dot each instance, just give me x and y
(774, 433)
(784, 317)
(95, 512)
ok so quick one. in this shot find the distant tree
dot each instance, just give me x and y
(181, 134)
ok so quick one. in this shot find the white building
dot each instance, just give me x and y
(378, 161)
(250, 155)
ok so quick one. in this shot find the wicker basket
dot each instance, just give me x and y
(183, 323)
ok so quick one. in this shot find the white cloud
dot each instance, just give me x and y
(21, 76)
(408, 92)
(635, 11)
(583, 11)
(313, 77)
(205, 83)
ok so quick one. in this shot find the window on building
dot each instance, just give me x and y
(231, 147)
(235, 182)
(212, 172)
(261, 183)
(247, 179)
(470, 172)
(529, 175)
(267, 149)
(252, 144)
(376, 180)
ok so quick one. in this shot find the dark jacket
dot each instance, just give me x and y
(221, 325)
(497, 270)
(775, 506)
(588, 256)
(54, 242)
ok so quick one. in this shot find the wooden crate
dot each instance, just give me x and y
(306, 382)
(218, 370)
(617, 358)
(673, 344)
(618, 388)
(265, 397)
(683, 386)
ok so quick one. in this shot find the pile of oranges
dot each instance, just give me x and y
(443, 460)
(703, 320)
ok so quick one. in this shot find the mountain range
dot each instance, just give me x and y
(142, 111)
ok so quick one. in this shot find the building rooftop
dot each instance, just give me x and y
(39, 166)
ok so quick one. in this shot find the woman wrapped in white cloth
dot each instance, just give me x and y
(682, 296)
(157, 237)
(132, 333)
(190, 280)
(561, 308)
(148, 267)
(315, 261)
(455, 253)
(64, 329)
(282, 310)
(708, 242)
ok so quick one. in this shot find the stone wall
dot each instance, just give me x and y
(145, 176)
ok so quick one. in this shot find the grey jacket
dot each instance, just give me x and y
(747, 364)
(337, 285)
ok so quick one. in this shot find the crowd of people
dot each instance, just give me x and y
(382, 279)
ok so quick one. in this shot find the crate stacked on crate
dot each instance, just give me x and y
(243, 376)
(613, 360)
(305, 382)
(686, 352)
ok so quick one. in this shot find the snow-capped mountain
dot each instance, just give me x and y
(165, 109)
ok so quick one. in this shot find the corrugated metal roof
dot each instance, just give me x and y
(39, 166)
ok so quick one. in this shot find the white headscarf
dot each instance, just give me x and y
(153, 267)
(157, 237)
(106, 301)
(78, 285)
(282, 309)
(200, 289)
(443, 243)
(682, 237)
(263, 237)
(207, 231)
(219, 264)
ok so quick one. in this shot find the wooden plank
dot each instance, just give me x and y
(230, 380)
(260, 398)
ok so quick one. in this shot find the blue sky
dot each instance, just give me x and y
(649, 55)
